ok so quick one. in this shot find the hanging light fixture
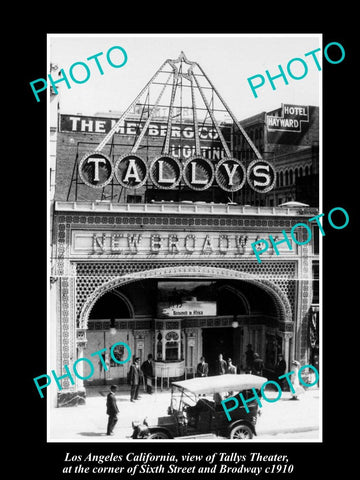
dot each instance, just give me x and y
(235, 323)
(112, 329)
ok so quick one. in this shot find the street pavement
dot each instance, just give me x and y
(282, 420)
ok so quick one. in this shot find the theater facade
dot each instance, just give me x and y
(150, 246)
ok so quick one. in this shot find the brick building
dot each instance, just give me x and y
(171, 271)
(289, 138)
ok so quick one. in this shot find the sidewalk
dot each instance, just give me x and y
(287, 415)
(87, 423)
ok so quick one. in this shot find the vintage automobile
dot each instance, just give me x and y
(196, 409)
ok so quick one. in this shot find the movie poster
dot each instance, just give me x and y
(193, 192)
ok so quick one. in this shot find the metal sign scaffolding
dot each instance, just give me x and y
(179, 86)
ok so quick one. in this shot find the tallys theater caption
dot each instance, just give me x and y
(253, 463)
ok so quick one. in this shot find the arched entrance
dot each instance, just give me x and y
(251, 317)
(109, 322)
(248, 310)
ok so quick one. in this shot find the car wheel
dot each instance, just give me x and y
(241, 432)
(158, 435)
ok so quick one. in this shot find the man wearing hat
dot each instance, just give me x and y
(148, 372)
(135, 373)
(280, 369)
(112, 410)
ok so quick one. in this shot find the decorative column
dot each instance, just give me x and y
(68, 394)
(139, 341)
(81, 342)
(304, 300)
(286, 335)
(191, 351)
(287, 351)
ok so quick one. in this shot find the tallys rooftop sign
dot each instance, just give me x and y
(194, 151)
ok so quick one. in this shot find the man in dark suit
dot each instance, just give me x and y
(147, 369)
(112, 410)
(202, 369)
(280, 369)
(134, 380)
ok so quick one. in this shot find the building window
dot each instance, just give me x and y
(134, 199)
(159, 347)
(286, 178)
(315, 275)
(171, 351)
(315, 236)
(172, 346)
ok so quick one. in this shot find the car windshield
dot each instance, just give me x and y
(180, 397)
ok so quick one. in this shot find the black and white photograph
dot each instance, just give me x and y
(184, 216)
(197, 234)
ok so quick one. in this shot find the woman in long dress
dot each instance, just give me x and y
(298, 389)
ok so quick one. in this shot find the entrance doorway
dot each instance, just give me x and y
(220, 340)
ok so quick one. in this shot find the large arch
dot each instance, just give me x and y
(238, 294)
(191, 271)
(127, 305)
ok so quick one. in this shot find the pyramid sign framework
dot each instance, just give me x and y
(178, 85)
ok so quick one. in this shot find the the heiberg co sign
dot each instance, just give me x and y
(166, 172)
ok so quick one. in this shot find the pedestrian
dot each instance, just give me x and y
(258, 365)
(231, 368)
(112, 410)
(221, 367)
(280, 369)
(202, 369)
(148, 372)
(249, 355)
(297, 389)
(134, 380)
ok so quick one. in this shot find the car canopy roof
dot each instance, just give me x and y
(221, 383)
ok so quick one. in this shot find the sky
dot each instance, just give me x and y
(228, 61)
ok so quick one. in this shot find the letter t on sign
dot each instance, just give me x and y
(96, 161)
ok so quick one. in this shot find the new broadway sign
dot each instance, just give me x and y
(85, 243)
